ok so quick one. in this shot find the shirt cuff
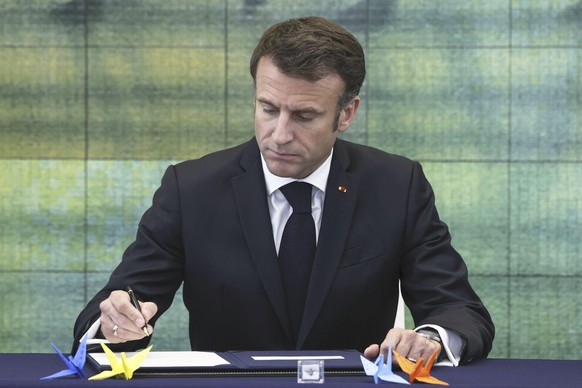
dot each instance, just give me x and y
(452, 344)
(92, 332)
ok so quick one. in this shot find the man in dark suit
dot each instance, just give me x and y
(216, 225)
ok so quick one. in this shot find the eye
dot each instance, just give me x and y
(269, 109)
(303, 117)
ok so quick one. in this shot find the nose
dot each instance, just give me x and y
(282, 132)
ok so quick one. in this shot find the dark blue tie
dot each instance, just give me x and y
(297, 250)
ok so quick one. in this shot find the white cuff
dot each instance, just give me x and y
(92, 332)
(452, 343)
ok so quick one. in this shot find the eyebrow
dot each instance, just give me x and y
(307, 110)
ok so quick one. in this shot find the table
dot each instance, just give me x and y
(25, 370)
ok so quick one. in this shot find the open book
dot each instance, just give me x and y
(238, 362)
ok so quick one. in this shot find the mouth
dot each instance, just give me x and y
(280, 155)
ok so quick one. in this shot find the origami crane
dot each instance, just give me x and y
(381, 370)
(123, 368)
(417, 371)
(74, 364)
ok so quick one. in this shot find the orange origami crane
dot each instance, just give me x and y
(417, 371)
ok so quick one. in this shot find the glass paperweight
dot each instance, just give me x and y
(310, 371)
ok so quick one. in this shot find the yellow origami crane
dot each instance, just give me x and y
(417, 371)
(123, 368)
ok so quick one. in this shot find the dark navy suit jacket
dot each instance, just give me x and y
(209, 228)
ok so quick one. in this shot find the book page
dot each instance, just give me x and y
(170, 359)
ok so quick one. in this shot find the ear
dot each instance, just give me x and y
(348, 114)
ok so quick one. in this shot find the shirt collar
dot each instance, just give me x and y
(318, 178)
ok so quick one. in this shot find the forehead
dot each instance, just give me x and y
(276, 87)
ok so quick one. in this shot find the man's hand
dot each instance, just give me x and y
(120, 321)
(406, 342)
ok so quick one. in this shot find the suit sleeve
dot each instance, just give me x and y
(152, 265)
(434, 277)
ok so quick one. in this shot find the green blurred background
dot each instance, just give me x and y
(97, 97)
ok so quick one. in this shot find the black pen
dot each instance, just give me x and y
(135, 304)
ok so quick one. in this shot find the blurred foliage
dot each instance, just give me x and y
(98, 97)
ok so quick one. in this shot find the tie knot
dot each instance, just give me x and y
(298, 194)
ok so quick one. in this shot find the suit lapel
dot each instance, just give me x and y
(340, 201)
(250, 196)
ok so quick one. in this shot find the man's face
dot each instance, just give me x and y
(294, 119)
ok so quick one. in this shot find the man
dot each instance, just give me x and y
(217, 226)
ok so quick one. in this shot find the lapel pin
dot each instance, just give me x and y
(343, 189)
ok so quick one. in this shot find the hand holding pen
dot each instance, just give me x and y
(124, 318)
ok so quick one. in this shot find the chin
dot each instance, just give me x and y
(281, 171)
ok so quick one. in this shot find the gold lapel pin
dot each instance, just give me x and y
(343, 189)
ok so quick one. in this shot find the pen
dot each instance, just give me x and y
(135, 304)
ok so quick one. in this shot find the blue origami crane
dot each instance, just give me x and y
(75, 364)
(381, 370)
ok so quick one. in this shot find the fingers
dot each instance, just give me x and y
(148, 310)
(121, 321)
(409, 344)
(372, 351)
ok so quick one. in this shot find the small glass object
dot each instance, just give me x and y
(310, 372)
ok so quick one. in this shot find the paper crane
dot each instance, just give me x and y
(381, 370)
(123, 368)
(74, 364)
(417, 371)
